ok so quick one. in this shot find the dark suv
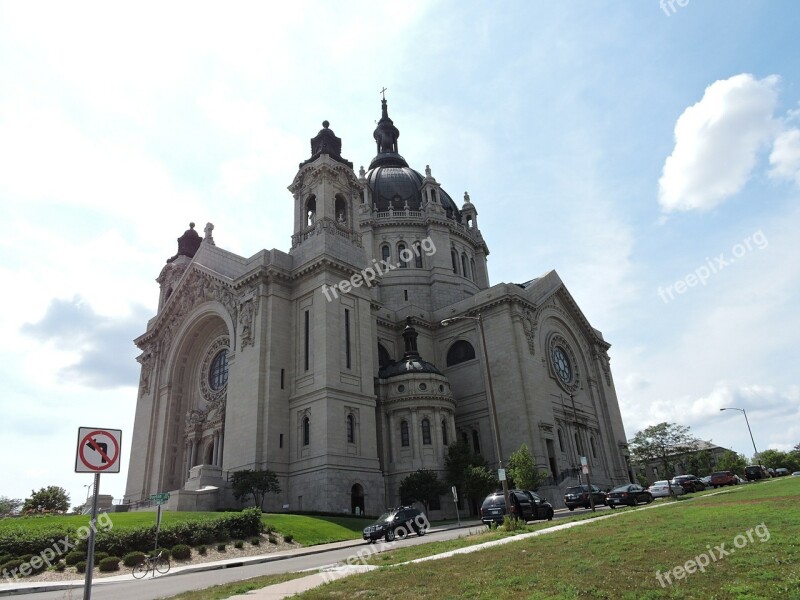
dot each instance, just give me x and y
(689, 483)
(756, 472)
(524, 506)
(577, 496)
(397, 523)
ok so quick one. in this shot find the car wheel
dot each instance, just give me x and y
(571, 508)
(550, 515)
(612, 506)
(421, 531)
(390, 535)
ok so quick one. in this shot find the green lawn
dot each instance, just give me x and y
(309, 531)
(131, 520)
(620, 557)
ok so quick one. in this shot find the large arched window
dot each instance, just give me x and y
(417, 255)
(404, 438)
(311, 210)
(402, 255)
(340, 208)
(464, 267)
(444, 432)
(426, 432)
(351, 429)
(218, 373)
(385, 252)
(476, 441)
(454, 260)
(306, 431)
(461, 351)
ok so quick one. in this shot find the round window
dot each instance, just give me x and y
(218, 373)
(401, 388)
(561, 364)
(423, 386)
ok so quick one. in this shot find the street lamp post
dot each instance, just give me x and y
(493, 408)
(744, 412)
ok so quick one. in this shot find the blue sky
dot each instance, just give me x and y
(627, 145)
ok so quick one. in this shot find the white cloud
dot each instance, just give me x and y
(785, 156)
(717, 142)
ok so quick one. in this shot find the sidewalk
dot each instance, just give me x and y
(23, 587)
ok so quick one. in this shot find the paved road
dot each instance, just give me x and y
(171, 584)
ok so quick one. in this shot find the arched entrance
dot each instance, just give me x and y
(357, 499)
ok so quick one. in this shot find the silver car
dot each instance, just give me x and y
(660, 489)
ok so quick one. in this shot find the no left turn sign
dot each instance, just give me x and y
(98, 450)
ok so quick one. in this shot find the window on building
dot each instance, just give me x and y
(417, 255)
(578, 444)
(426, 432)
(476, 442)
(454, 260)
(472, 269)
(306, 431)
(385, 252)
(347, 337)
(218, 373)
(311, 211)
(461, 351)
(444, 432)
(465, 437)
(404, 438)
(306, 334)
(464, 267)
(351, 429)
(384, 358)
(283, 377)
(402, 254)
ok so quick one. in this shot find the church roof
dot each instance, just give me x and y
(412, 362)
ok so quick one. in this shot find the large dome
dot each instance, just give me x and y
(397, 185)
(393, 183)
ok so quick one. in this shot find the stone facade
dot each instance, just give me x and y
(330, 365)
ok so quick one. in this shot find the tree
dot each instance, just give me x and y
(50, 499)
(699, 463)
(733, 462)
(523, 471)
(479, 481)
(662, 444)
(775, 459)
(421, 486)
(8, 506)
(256, 484)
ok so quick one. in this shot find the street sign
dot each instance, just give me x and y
(160, 498)
(501, 474)
(98, 450)
(584, 461)
(585, 469)
(455, 493)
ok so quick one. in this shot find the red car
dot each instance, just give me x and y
(721, 478)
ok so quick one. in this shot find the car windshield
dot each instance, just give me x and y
(384, 517)
(660, 483)
(494, 501)
(622, 488)
(575, 490)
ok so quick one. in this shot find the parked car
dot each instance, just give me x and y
(781, 472)
(543, 510)
(721, 478)
(706, 480)
(756, 472)
(630, 494)
(796, 474)
(661, 489)
(689, 483)
(579, 496)
(396, 523)
(493, 509)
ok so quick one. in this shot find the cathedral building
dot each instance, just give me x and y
(357, 357)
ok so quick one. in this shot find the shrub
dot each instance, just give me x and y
(4, 558)
(9, 566)
(238, 544)
(74, 557)
(288, 538)
(181, 552)
(512, 524)
(202, 550)
(99, 556)
(273, 539)
(256, 541)
(131, 559)
(109, 563)
(80, 567)
(26, 557)
(221, 547)
(59, 567)
(37, 565)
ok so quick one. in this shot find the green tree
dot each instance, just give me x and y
(662, 444)
(50, 499)
(479, 481)
(459, 459)
(733, 462)
(523, 471)
(257, 484)
(421, 486)
(699, 463)
(9, 506)
(775, 459)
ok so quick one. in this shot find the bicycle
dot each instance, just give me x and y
(158, 563)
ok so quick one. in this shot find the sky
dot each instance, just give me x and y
(647, 151)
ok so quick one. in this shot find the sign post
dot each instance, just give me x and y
(98, 451)
(455, 501)
(159, 499)
(585, 468)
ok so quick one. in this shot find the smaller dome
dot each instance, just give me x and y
(411, 363)
(188, 243)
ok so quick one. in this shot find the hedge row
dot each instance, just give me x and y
(244, 524)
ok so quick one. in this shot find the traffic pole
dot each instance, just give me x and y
(87, 586)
